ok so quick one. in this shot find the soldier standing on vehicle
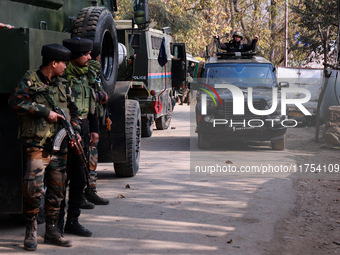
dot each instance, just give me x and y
(236, 45)
(84, 96)
(33, 100)
(101, 98)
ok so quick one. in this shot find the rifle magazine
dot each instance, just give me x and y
(59, 138)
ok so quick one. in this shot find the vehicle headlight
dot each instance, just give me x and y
(209, 118)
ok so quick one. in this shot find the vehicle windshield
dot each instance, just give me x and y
(241, 75)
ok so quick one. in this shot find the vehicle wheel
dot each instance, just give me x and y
(147, 125)
(203, 142)
(173, 102)
(279, 144)
(133, 139)
(96, 23)
(163, 122)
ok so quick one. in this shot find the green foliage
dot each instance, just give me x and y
(317, 23)
(125, 9)
(196, 21)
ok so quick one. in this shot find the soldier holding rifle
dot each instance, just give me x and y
(101, 99)
(85, 99)
(34, 100)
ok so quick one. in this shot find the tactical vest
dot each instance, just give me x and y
(95, 83)
(235, 46)
(39, 127)
(84, 95)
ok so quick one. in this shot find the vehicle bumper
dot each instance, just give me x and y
(224, 132)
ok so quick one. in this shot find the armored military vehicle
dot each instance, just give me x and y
(26, 27)
(235, 102)
(156, 72)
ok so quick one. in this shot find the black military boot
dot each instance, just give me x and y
(73, 227)
(53, 236)
(91, 195)
(86, 204)
(30, 242)
(60, 225)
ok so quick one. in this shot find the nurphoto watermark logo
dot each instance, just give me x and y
(239, 97)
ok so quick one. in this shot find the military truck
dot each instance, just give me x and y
(27, 26)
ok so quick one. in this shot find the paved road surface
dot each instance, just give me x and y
(167, 210)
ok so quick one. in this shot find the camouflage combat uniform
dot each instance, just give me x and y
(84, 97)
(30, 102)
(95, 81)
(184, 91)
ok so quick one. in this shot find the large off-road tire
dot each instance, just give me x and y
(163, 122)
(147, 125)
(96, 23)
(133, 139)
(279, 144)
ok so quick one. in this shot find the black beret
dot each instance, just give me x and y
(56, 52)
(96, 50)
(78, 45)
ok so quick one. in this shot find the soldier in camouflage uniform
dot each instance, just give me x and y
(236, 45)
(101, 98)
(33, 100)
(84, 96)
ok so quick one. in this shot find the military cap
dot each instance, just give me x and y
(56, 52)
(239, 34)
(78, 45)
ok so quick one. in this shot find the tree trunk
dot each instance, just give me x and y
(322, 93)
(232, 18)
(273, 17)
(324, 38)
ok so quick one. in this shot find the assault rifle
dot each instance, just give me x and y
(68, 131)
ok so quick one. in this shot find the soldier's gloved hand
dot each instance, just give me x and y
(94, 138)
(72, 143)
(53, 117)
(79, 138)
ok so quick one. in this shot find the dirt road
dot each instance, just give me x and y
(166, 209)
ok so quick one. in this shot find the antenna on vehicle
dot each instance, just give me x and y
(207, 52)
(217, 45)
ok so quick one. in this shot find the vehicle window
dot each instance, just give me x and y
(244, 75)
(156, 42)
